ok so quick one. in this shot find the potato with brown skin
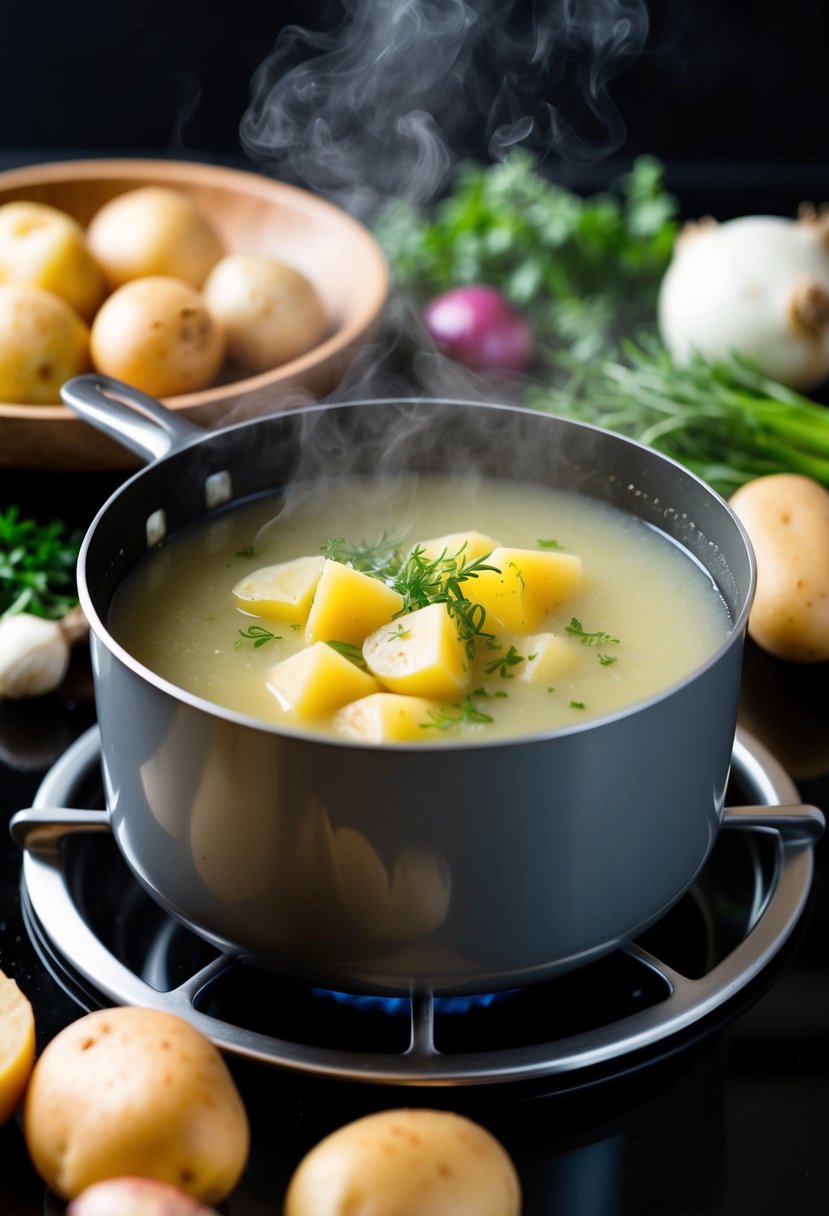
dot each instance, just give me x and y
(157, 335)
(406, 1163)
(150, 231)
(135, 1092)
(270, 312)
(136, 1197)
(786, 516)
(42, 343)
(44, 247)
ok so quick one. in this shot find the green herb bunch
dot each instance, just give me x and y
(723, 419)
(584, 271)
(37, 567)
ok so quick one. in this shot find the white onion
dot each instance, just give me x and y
(758, 286)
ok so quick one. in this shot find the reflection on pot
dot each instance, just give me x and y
(402, 904)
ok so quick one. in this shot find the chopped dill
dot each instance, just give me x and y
(467, 711)
(577, 705)
(549, 544)
(607, 660)
(380, 558)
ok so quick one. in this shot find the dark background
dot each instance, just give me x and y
(734, 89)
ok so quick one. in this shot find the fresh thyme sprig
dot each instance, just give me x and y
(422, 581)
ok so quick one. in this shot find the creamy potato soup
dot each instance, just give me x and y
(421, 609)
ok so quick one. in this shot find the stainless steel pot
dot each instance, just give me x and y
(444, 867)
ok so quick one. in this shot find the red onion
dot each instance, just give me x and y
(477, 327)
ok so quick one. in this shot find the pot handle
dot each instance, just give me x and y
(134, 419)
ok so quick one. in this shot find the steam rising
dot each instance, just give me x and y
(383, 101)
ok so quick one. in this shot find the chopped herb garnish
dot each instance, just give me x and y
(381, 559)
(607, 660)
(577, 704)
(247, 551)
(399, 632)
(37, 567)
(467, 711)
(423, 581)
(598, 637)
(484, 692)
(503, 664)
(549, 544)
(257, 634)
(349, 651)
(550, 688)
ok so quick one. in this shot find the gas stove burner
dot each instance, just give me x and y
(107, 942)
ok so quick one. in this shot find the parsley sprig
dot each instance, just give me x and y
(37, 566)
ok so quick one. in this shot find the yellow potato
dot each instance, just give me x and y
(406, 1163)
(42, 343)
(787, 519)
(44, 247)
(17, 1045)
(135, 1092)
(150, 231)
(270, 312)
(157, 335)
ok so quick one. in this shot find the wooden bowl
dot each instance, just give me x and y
(250, 214)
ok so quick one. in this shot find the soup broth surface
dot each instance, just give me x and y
(647, 613)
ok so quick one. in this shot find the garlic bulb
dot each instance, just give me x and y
(34, 652)
(758, 286)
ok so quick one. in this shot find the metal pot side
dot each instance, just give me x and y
(452, 868)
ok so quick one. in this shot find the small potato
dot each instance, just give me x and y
(786, 516)
(42, 343)
(157, 335)
(270, 312)
(153, 230)
(130, 1092)
(44, 247)
(406, 1163)
(136, 1197)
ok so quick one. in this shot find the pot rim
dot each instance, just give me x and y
(200, 435)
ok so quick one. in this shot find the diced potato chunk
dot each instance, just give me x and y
(548, 657)
(528, 585)
(348, 605)
(284, 591)
(384, 717)
(470, 545)
(419, 654)
(317, 680)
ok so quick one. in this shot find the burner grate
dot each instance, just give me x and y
(106, 942)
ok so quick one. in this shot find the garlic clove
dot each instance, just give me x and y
(34, 656)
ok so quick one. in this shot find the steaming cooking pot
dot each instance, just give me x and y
(470, 866)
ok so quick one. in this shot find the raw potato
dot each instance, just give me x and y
(153, 231)
(44, 247)
(136, 1092)
(406, 1163)
(157, 335)
(270, 312)
(787, 519)
(42, 343)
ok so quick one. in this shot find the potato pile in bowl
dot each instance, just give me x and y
(147, 294)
